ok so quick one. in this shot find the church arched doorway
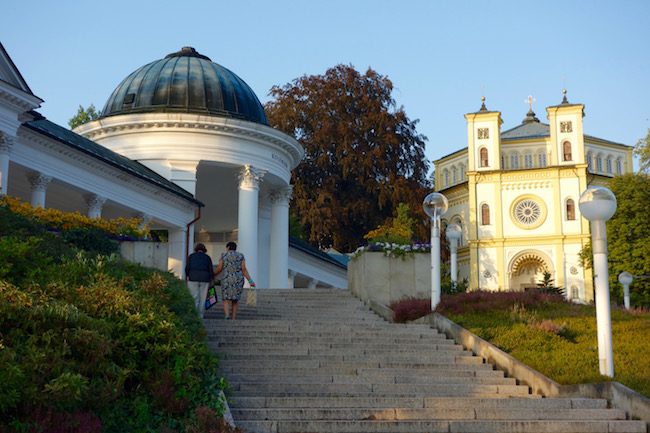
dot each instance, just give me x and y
(527, 269)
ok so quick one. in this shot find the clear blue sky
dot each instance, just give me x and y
(441, 55)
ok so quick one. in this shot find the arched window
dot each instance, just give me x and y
(514, 161)
(445, 177)
(590, 161)
(619, 166)
(541, 158)
(462, 172)
(460, 224)
(566, 151)
(504, 162)
(528, 160)
(454, 175)
(599, 163)
(609, 165)
(570, 210)
(484, 157)
(575, 292)
(485, 214)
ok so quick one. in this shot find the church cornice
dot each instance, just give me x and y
(16, 99)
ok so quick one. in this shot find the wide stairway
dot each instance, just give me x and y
(321, 361)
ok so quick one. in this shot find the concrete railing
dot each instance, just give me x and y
(150, 254)
(374, 276)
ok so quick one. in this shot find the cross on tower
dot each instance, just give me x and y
(530, 101)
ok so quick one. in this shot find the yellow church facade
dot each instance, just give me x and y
(515, 195)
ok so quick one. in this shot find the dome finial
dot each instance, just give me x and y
(564, 98)
(483, 107)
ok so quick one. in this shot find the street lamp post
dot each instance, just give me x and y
(453, 233)
(435, 205)
(598, 204)
(625, 278)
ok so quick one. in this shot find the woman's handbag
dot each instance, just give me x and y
(251, 297)
(211, 297)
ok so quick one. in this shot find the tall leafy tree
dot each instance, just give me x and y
(642, 150)
(628, 232)
(84, 115)
(363, 154)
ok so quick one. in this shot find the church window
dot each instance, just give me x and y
(483, 133)
(504, 160)
(485, 214)
(484, 157)
(566, 150)
(527, 212)
(542, 160)
(514, 161)
(590, 162)
(575, 292)
(462, 172)
(454, 175)
(566, 126)
(570, 210)
(609, 165)
(599, 163)
(528, 160)
(619, 166)
(445, 176)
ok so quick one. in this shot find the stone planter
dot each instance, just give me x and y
(372, 276)
(150, 254)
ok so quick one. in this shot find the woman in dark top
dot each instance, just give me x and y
(233, 265)
(199, 273)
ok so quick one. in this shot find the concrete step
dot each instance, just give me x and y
(372, 426)
(441, 403)
(353, 369)
(315, 388)
(324, 348)
(367, 379)
(310, 363)
(398, 413)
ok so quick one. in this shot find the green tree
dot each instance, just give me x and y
(363, 154)
(547, 285)
(398, 229)
(628, 232)
(642, 150)
(84, 115)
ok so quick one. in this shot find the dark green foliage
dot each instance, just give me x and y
(546, 285)
(91, 240)
(92, 342)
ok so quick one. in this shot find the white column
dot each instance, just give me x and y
(176, 257)
(39, 183)
(263, 244)
(435, 262)
(280, 238)
(291, 280)
(183, 174)
(249, 188)
(95, 204)
(5, 146)
(603, 307)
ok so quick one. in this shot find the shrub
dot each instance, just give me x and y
(409, 308)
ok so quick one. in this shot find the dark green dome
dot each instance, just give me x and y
(185, 82)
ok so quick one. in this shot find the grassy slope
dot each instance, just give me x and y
(560, 340)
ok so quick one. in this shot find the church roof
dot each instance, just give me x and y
(185, 82)
(10, 74)
(63, 135)
(527, 130)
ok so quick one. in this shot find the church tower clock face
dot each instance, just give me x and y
(528, 212)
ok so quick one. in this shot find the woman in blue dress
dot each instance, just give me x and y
(233, 266)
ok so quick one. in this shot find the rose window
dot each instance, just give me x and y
(527, 212)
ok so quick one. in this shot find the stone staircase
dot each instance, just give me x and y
(321, 361)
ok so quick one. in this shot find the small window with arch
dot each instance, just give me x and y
(483, 153)
(570, 210)
(485, 214)
(566, 151)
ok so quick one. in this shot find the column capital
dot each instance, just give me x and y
(250, 177)
(281, 195)
(94, 200)
(39, 181)
(6, 141)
